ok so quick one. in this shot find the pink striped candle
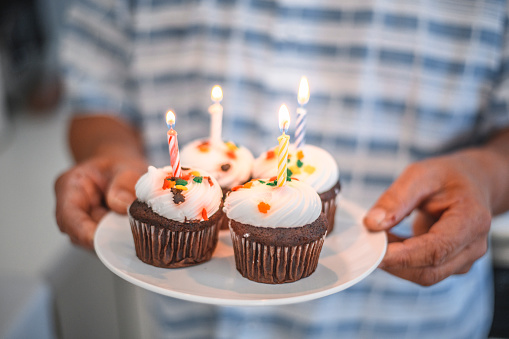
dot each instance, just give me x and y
(173, 145)
(284, 142)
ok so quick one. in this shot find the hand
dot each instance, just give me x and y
(450, 231)
(86, 192)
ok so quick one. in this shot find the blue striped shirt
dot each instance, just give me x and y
(392, 82)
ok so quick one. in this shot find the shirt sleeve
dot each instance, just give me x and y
(95, 53)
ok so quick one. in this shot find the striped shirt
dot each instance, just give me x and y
(392, 82)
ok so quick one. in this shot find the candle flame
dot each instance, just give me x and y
(303, 96)
(216, 94)
(170, 119)
(284, 118)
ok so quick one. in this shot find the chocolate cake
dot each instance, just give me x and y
(277, 232)
(170, 227)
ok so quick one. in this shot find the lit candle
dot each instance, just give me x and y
(216, 114)
(173, 144)
(284, 141)
(303, 98)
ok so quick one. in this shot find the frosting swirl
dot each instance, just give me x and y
(229, 164)
(315, 166)
(197, 200)
(260, 204)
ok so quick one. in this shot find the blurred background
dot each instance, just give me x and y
(48, 287)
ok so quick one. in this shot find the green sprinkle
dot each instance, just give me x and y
(299, 163)
(198, 179)
(289, 179)
(289, 172)
(181, 182)
(263, 182)
(274, 183)
(288, 160)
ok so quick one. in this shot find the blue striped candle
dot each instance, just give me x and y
(303, 98)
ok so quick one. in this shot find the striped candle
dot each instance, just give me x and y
(216, 115)
(173, 145)
(284, 142)
(303, 98)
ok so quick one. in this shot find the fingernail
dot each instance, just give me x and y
(376, 216)
(124, 197)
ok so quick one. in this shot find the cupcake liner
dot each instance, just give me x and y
(272, 264)
(329, 206)
(161, 247)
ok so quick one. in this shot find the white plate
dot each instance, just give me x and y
(349, 254)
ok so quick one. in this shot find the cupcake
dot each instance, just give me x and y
(229, 163)
(312, 165)
(277, 232)
(175, 221)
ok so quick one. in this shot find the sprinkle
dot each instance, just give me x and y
(288, 160)
(185, 168)
(168, 183)
(300, 155)
(235, 188)
(263, 182)
(198, 179)
(270, 155)
(299, 163)
(204, 147)
(204, 214)
(181, 182)
(309, 169)
(211, 183)
(181, 187)
(263, 207)
(288, 172)
(274, 183)
(273, 178)
(247, 184)
(231, 154)
(178, 197)
(231, 146)
(195, 173)
(185, 176)
(295, 169)
(225, 167)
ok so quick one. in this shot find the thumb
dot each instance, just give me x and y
(406, 193)
(120, 194)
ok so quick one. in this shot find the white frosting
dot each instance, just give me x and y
(149, 189)
(325, 176)
(211, 161)
(293, 205)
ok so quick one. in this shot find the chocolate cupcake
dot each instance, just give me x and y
(312, 165)
(175, 221)
(277, 232)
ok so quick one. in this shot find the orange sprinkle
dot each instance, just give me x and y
(211, 183)
(270, 154)
(231, 154)
(204, 214)
(185, 176)
(168, 184)
(300, 155)
(204, 148)
(263, 207)
(248, 184)
(237, 187)
(273, 178)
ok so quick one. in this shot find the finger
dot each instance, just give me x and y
(97, 213)
(456, 229)
(401, 198)
(459, 264)
(120, 193)
(422, 223)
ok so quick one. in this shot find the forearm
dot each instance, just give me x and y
(103, 135)
(489, 165)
